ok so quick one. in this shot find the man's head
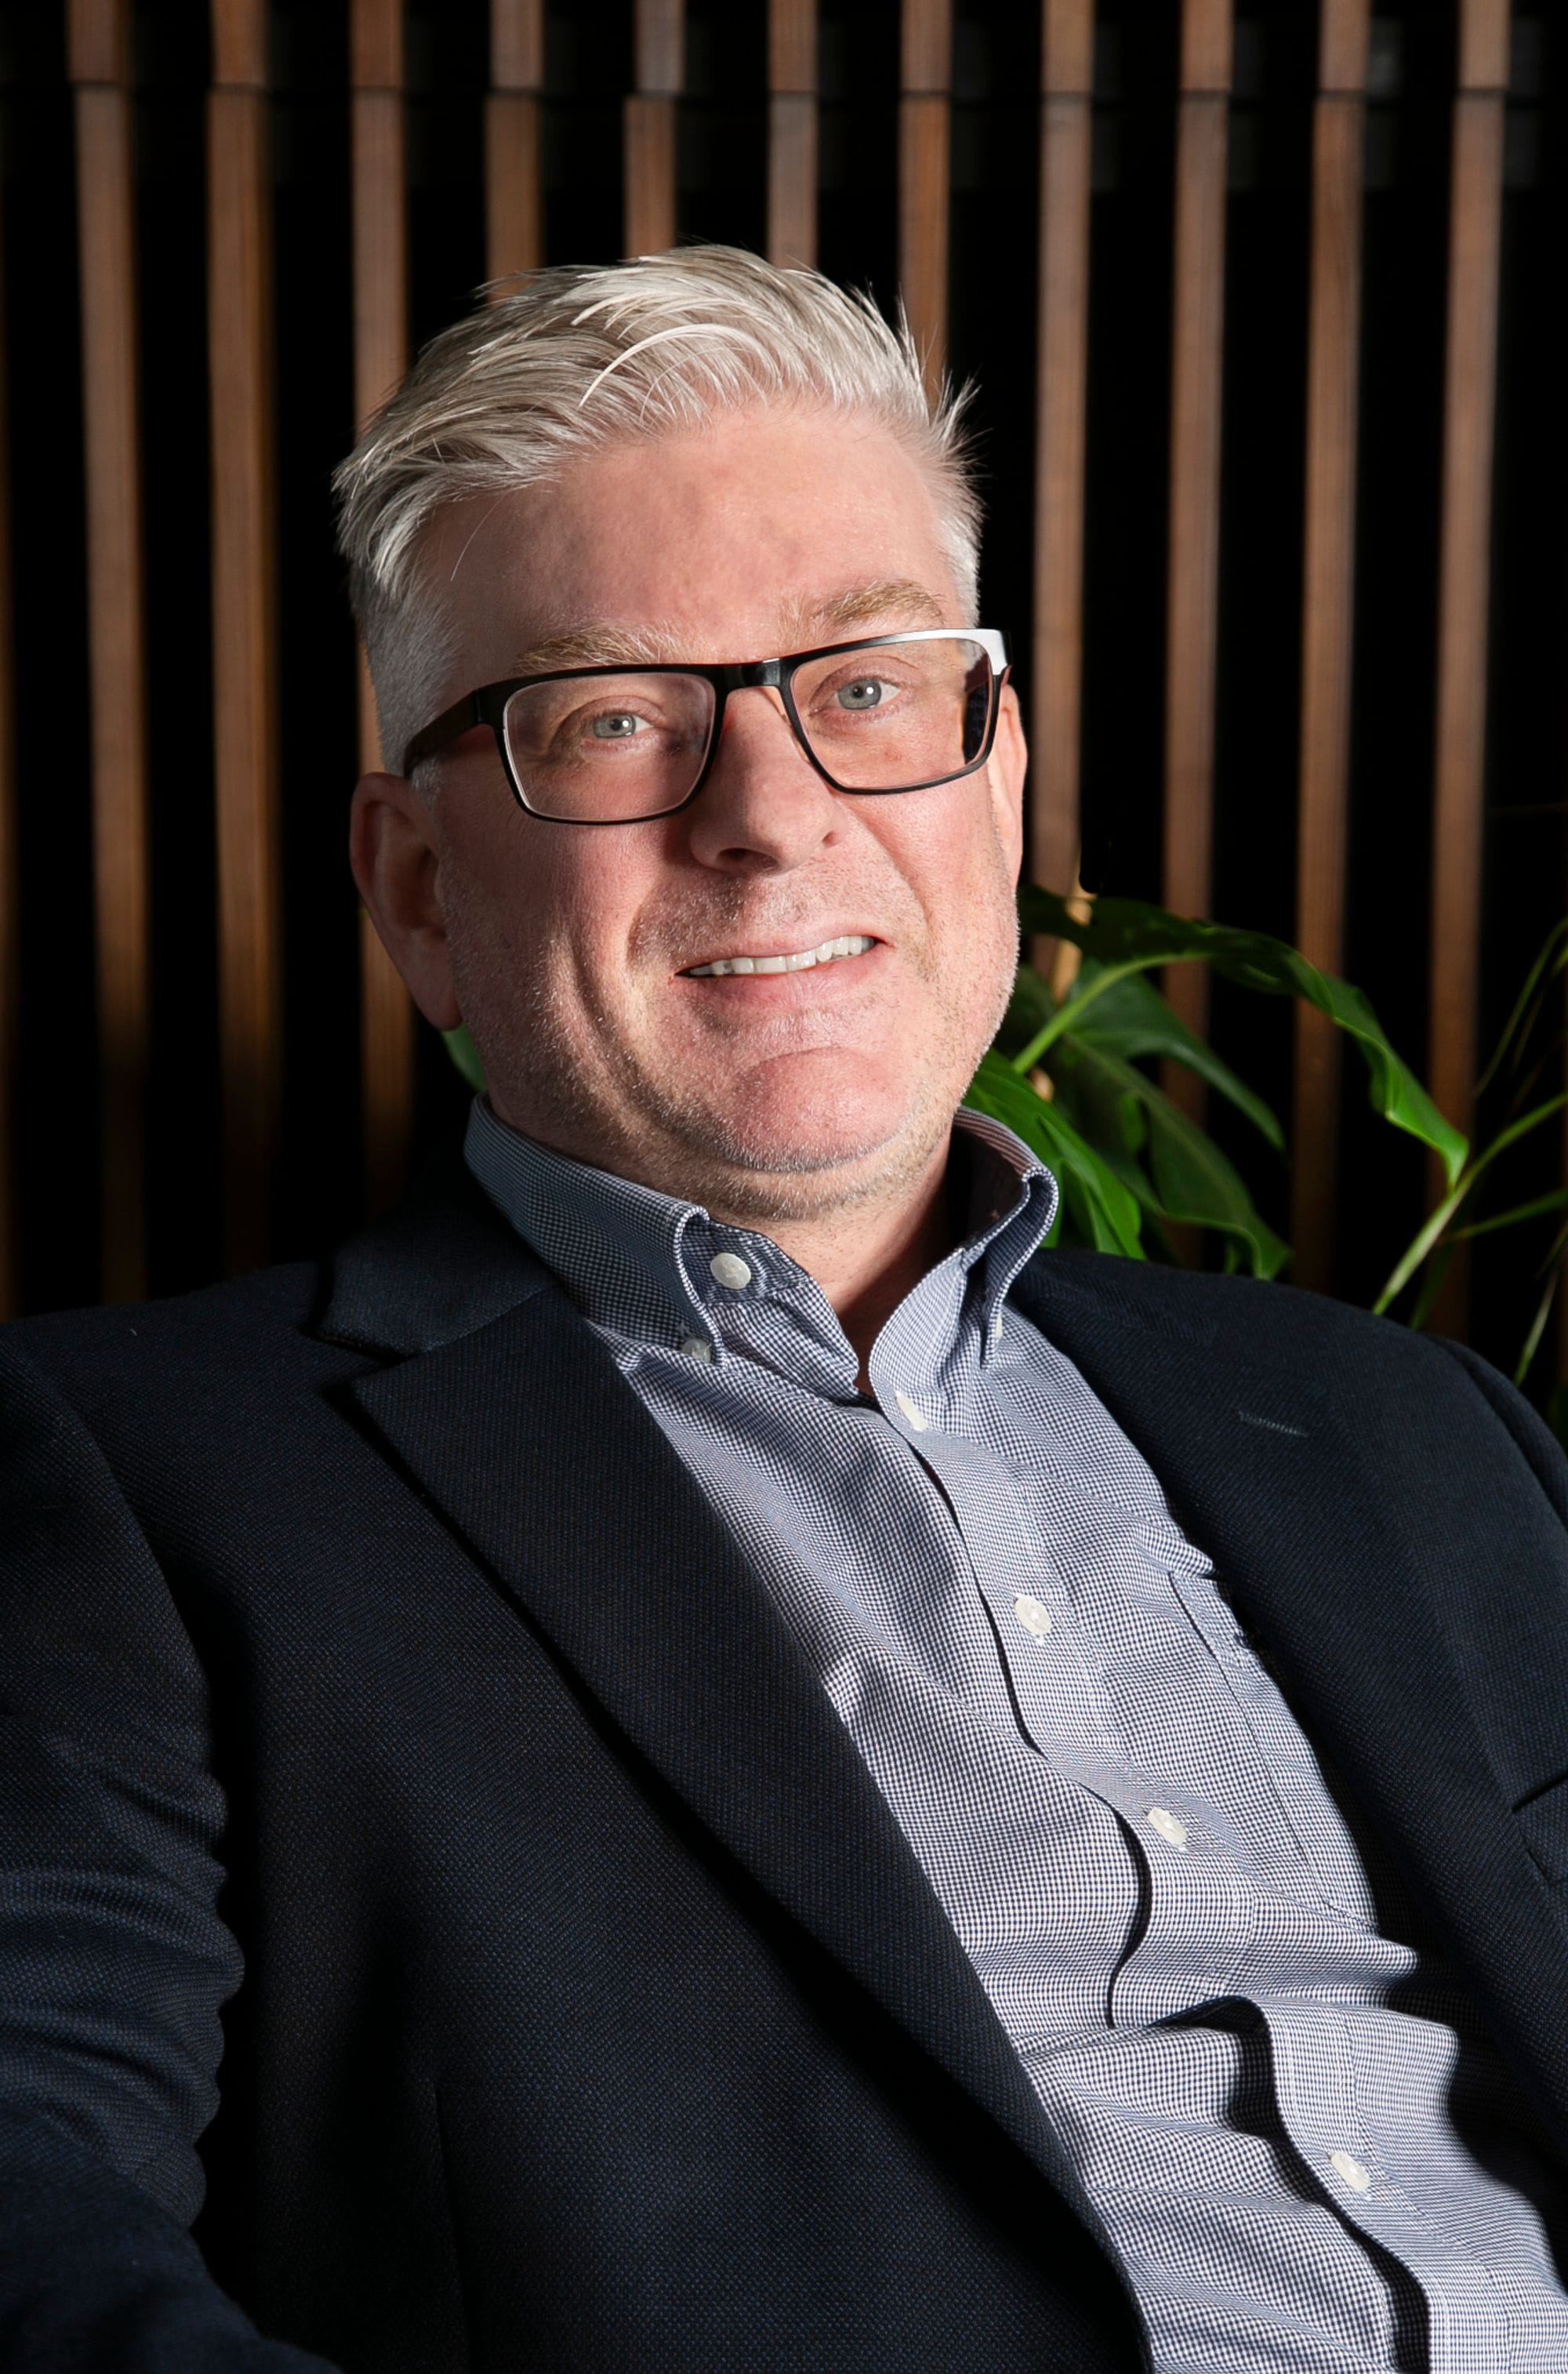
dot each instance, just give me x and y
(692, 457)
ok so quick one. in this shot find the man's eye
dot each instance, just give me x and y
(616, 726)
(865, 692)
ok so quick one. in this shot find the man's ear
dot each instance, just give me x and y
(1007, 770)
(391, 849)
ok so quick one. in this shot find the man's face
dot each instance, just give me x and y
(571, 950)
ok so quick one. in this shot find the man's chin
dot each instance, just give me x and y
(808, 1161)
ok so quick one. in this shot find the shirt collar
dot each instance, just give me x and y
(639, 1263)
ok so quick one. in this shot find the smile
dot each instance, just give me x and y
(829, 953)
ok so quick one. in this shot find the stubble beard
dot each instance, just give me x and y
(678, 1140)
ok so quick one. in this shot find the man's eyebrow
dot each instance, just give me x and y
(865, 606)
(595, 647)
(801, 623)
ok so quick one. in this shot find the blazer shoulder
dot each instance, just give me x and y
(256, 1327)
(1259, 1318)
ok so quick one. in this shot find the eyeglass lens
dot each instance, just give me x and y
(604, 749)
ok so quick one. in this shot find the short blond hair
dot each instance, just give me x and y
(580, 357)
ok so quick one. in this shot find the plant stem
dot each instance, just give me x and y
(1428, 1236)
(1066, 1014)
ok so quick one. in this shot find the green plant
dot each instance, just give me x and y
(1507, 1096)
(1065, 1074)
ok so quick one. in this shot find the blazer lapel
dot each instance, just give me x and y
(521, 1430)
(1267, 1476)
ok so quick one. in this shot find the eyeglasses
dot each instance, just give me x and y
(620, 745)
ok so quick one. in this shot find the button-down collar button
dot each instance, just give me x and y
(1175, 1833)
(915, 1415)
(1358, 2177)
(696, 1347)
(731, 1271)
(1030, 1613)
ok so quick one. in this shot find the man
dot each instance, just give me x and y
(696, 1756)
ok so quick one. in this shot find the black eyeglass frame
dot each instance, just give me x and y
(486, 706)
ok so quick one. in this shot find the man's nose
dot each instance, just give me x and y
(764, 807)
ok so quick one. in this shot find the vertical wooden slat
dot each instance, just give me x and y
(1333, 356)
(1193, 570)
(1475, 235)
(9, 899)
(244, 628)
(792, 131)
(514, 227)
(100, 69)
(650, 127)
(1066, 133)
(381, 357)
(925, 112)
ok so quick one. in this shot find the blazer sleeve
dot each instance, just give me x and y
(115, 1964)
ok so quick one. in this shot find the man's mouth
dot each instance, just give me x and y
(798, 960)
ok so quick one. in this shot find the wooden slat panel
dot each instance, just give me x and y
(1193, 575)
(99, 56)
(514, 215)
(1333, 349)
(926, 114)
(1464, 575)
(244, 630)
(650, 127)
(98, 39)
(381, 357)
(239, 45)
(9, 896)
(1065, 130)
(792, 45)
(792, 131)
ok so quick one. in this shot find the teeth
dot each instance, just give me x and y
(853, 945)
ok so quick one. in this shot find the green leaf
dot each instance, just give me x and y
(1126, 936)
(1555, 1202)
(1552, 955)
(1537, 1328)
(1190, 1182)
(1030, 1005)
(1102, 1207)
(466, 1055)
(1132, 1019)
(1436, 1222)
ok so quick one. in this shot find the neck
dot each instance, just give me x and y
(866, 1254)
(866, 1259)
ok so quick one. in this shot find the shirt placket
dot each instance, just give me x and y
(1321, 2089)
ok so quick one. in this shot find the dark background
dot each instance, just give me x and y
(723, 152)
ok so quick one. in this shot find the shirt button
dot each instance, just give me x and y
(731, 1271)
(1031, 1614)
(1358, 2177)
(1175, 1833)
(917, 1416)
(696, 1347)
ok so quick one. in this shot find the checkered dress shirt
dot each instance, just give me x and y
(1269, 2099)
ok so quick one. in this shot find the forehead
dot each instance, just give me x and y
(762, 532)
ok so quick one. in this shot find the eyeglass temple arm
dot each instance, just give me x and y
(444, 729)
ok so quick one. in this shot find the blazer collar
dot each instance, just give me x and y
(442, 1264)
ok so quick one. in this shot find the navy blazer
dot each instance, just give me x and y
(429, 1876)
